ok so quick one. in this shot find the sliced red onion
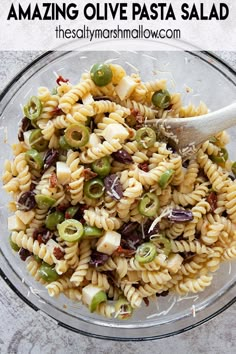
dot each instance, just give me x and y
(113, 187)
(122, 156)
(98, 258)
(178, 215)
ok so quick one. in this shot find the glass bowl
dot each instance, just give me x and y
(210, 80)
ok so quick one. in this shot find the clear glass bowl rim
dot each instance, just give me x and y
(204, 56)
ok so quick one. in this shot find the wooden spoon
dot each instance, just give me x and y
(187, 134)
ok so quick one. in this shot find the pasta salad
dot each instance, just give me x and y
(106, 212)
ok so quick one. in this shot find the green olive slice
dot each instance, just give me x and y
(70, 230)
(149, 204)
(44, 201)
(33, 108)
(145, 137)
(34, 159)
(102, 166)
(37, 141)
(146, 252)
(221, 158)
(53, 219)
(63, 143)
(71, 211)
(13, 245)
(47, 273)
(165, 178)
(94, 188)
(162, 241)
(233, 168)
(92, 231)
(77, 135)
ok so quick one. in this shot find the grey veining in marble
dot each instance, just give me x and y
(23, 331)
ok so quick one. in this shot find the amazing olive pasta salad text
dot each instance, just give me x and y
(105, 211)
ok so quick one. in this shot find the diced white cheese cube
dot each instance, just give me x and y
(125, 87)
(63, 173)
(15, 223)
(174, 262)
(89, 292)
(94, 140)
(27, 136)
(115, 131)
(109, 242)
(161, 259)
(25, 216)
(87, 99)
(117, 73)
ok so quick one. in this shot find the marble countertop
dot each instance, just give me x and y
(21, 331)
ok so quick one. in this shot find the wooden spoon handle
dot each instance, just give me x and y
(215, 122)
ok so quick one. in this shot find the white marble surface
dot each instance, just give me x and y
(22, 331)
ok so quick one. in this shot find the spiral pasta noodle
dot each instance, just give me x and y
(82, 268)
(100, 218)
(58, 286)
(193, 285)
(22, 240)
(72, 96)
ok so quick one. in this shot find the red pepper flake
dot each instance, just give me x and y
(58, 253)
(143, 166)
(138, 116)
(56, 112)
(42, 235)
(131, 133)
(84, 283)
(67, 188)
(134, 112)
(212, 200)
(120, 251)
(61, 79)
(89, 174)
(83, 208)
(62, 207)
(53, 180)
(44, 238)
(82, 221)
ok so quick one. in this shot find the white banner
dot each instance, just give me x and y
(98, 25)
